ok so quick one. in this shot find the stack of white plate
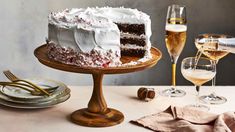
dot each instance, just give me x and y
(19, 98)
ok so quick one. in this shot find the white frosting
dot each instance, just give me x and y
(84, 30)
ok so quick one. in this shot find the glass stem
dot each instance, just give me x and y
(197, 95)
(173, 76)
(213, 95)
(214, 79)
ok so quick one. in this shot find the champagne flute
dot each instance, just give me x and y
(210, 49)
(175, 39)
(198, 71)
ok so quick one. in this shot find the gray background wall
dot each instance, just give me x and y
(23, 25)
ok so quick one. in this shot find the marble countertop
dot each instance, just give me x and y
(122, 98)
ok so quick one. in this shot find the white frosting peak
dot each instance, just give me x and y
(82, 18)
(125, 15)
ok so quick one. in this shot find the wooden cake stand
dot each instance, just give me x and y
(97, 114)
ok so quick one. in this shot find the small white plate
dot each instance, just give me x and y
(51, 103)
(18, 98)
(38, 101)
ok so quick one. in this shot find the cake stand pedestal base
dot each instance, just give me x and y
(85, 118)
(97, 114)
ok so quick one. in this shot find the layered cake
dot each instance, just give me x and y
(98, 37)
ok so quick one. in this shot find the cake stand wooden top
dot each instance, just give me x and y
(41, 54)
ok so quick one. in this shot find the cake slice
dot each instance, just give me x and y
(135, 30)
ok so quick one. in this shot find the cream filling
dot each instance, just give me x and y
(129, 35)
(133, 46)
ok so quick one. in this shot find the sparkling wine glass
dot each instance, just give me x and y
(175, 40)
(209, 49)
(198, 71)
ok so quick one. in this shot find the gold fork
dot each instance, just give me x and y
(25, 87)
(14, 78)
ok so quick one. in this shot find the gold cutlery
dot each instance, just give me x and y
(14, 78)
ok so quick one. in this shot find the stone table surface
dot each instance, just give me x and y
(122, 98)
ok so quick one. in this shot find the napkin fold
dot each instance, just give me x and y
(182, 119)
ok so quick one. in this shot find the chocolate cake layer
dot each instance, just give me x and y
(135, 41)
(133, 52)
(137, 29)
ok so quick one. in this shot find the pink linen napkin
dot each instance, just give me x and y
(181, 119)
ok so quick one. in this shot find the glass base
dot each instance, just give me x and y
(213, 99)
(173, 92)
(198, 107)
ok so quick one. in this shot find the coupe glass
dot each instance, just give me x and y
(198, 71)
(209, 49)
(175, 40)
